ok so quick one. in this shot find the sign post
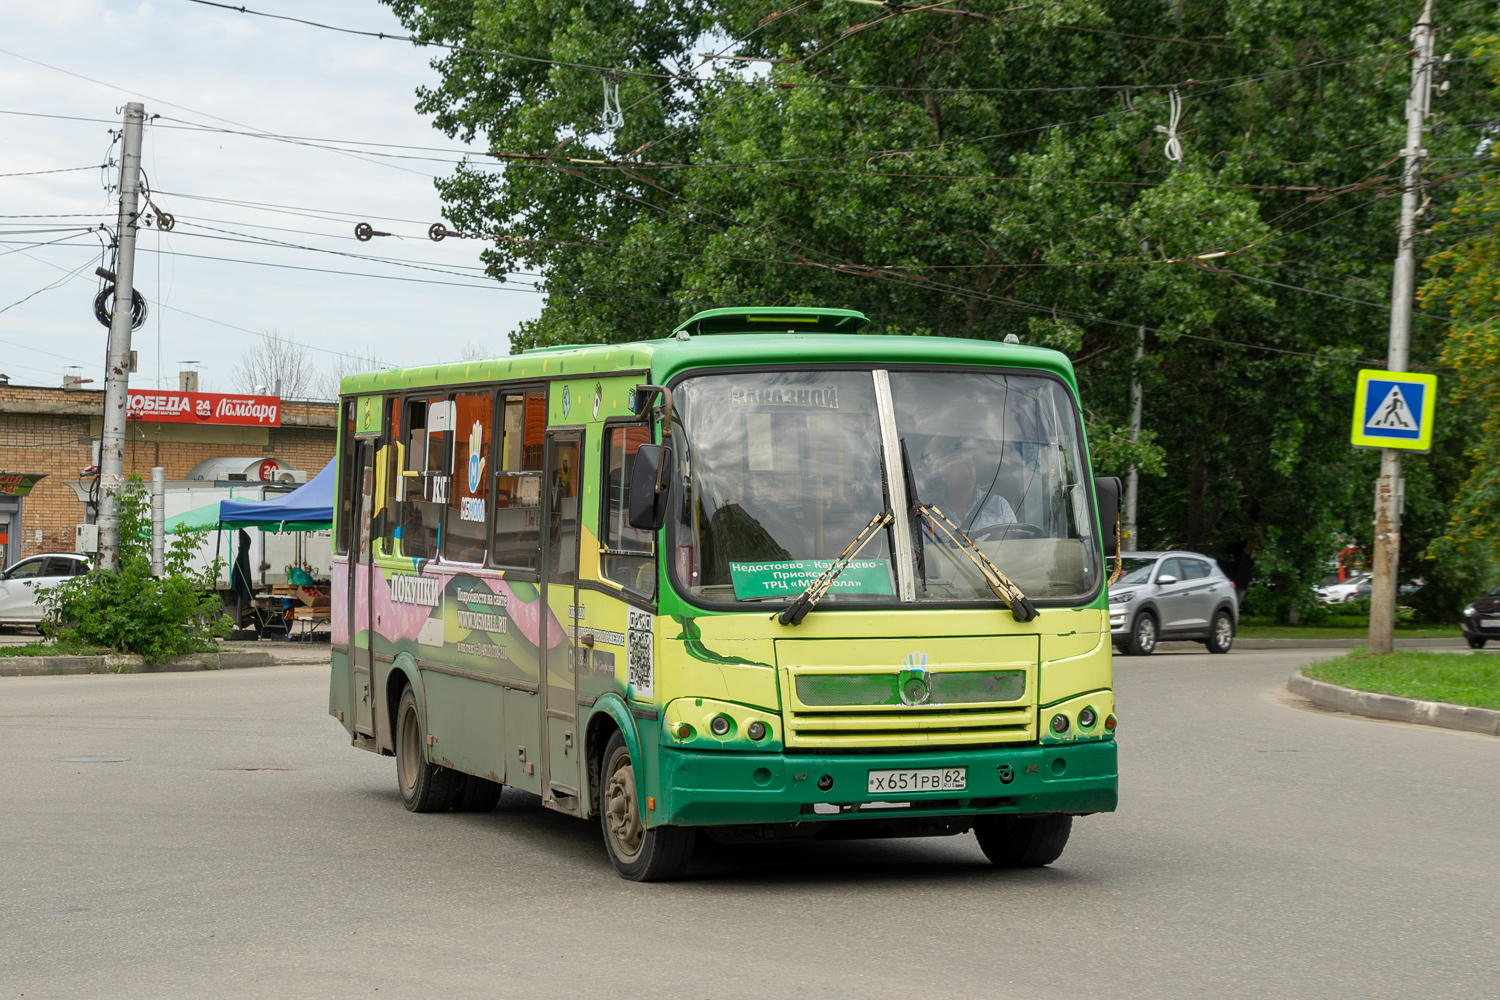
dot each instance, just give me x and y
(1393, 411)
(1403, 288)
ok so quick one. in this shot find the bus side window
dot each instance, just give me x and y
(346, 481)
(626, 554)
(388, 502)
(425, 486)
(518, 481)
(468, 500)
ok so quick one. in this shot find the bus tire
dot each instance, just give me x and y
(476, 794)
(1023, 841)
(425, 787)
(638, 854)
(1142, 641)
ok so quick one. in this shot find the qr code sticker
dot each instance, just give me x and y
(638, 655)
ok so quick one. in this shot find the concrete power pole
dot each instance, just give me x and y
(1403, 290)
(117, 366)
(1131, 543)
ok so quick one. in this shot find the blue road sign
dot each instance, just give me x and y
(1394, 410)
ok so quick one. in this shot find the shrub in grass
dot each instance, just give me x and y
(130, 611)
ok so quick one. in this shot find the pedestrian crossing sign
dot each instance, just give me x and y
(1394, 410)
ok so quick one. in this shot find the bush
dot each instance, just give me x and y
(131, 611)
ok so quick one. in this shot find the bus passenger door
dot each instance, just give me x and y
(361, 685)
(559, 687)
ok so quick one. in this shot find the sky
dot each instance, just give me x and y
(199, 66)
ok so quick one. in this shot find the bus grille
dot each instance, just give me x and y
(867, 710)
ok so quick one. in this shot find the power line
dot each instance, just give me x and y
(61, 170)
(170, 104)
(60, 281)
(321, 270)
(258, 333)
(329, 215)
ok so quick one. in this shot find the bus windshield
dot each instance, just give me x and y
(782, 470)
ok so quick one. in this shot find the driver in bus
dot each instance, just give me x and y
(962, 498)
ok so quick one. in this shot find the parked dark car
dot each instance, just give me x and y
(1481, 621)
(1172, 595)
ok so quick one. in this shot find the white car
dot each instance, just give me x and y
(1337, 593)
(20, 583)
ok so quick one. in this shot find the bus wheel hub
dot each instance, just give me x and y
(624, 819)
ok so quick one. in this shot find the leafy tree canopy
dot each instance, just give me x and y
(978, 169)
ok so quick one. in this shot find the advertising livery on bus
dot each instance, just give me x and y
(767, 577)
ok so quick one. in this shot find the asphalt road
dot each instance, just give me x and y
(242, 849)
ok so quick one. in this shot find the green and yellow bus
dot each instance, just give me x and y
(767, 577)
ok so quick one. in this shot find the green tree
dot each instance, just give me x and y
(981, 170)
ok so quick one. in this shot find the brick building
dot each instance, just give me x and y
(55, 431)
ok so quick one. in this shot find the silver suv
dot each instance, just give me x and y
(1171, 595)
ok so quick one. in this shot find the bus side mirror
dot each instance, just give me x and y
(1108, 490)
(650, 484)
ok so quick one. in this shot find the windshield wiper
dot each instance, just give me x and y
(793, 613)
(1021, 608)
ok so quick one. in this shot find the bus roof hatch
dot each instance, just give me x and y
(773, 319)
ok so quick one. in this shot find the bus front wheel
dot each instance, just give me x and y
(1023, 841)
(425, 787)
(638, 853)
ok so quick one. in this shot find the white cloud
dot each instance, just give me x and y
(273, 76)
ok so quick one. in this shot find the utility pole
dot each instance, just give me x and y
(1133, 477)
(117, 364)
(1403, 289)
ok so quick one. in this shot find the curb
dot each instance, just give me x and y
(47, 666)
(1396, 709)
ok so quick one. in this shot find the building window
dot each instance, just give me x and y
(626, 554)
(518, 481)
(468, 500)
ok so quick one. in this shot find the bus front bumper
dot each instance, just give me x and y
(716, 789)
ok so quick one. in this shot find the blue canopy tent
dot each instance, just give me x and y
(307, 508)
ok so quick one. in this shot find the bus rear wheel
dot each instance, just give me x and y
(425, 787)
(639, 854)
(476, 794)
(1023, 841)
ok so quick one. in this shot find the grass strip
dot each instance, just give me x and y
(1456, 678)
(1337, 627)
(43, 648)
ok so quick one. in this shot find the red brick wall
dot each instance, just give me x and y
(45, 430)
